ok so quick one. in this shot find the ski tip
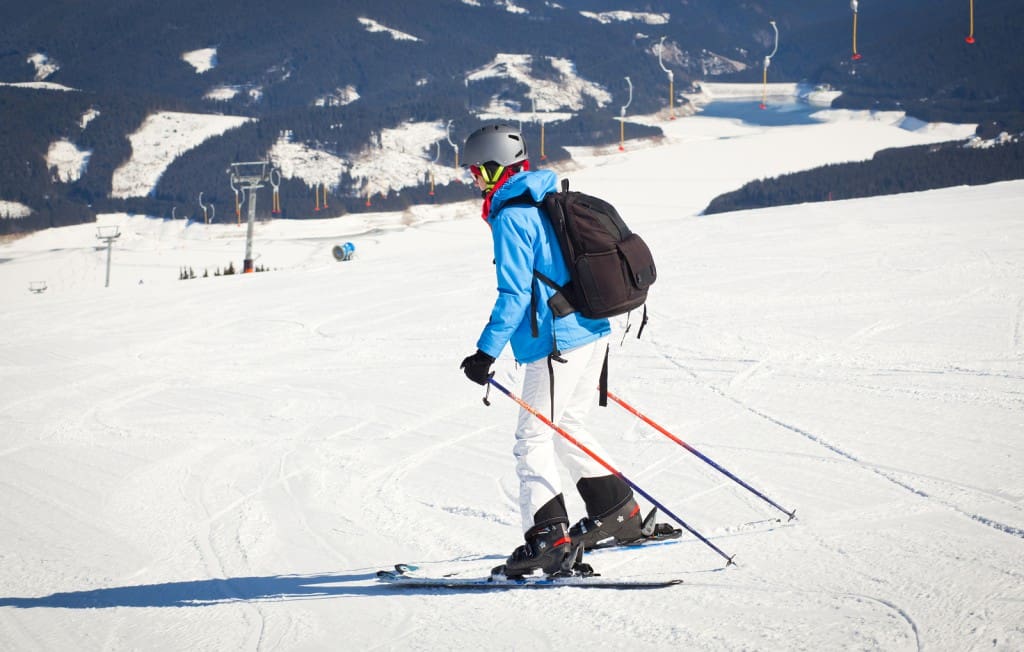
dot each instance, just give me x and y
(402, 569)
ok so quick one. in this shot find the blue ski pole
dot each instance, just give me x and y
(629, 408)
(529, 408)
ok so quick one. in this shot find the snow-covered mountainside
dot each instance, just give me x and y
(336, 77)
(224, 462)
(158, 142)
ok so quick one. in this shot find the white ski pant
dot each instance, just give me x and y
(538, 447)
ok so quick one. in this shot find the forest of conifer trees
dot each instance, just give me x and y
(126, 64)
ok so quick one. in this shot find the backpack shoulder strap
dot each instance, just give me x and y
(524, 200)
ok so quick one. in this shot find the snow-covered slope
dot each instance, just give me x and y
(203, 59)
(223, 463)
(67, 159)
(160, 139)
(568, 90)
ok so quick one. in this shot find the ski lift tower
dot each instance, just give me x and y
(622, 117)
(448, 135)
(249, 176)
(108, 234)
(671, 90)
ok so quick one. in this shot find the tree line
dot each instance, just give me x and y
(890, 171)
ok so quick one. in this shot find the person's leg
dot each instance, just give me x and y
(601, 490)
(611, 508)
(540, 486)
(542, 506)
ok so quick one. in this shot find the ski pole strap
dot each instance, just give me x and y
(611, 469)
(602, 383)
(551, 384)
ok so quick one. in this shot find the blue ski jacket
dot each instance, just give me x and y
(524, 241)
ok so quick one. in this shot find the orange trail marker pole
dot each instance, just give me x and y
(970, 37)
(622, 117)
(856, 55)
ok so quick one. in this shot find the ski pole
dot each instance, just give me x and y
(529, 408)
(629, 408)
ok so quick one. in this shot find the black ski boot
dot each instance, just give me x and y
(546, 549)
(622, 525)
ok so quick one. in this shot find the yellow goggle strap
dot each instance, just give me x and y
(492, 178)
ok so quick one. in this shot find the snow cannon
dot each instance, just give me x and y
(344, 252)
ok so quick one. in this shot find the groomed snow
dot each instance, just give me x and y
(375, 27)
(606, 17)
(511, 7)
(161, 138)
(711, 91)
(223, 93)
(403, 157)
(13, 210)
(568, 91)
(67, 159)
(300, 161)
(224, 463)
(202, 60)
(88, 117)
(40, 86)
(44, 65)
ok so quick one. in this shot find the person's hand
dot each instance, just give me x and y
(478, 367)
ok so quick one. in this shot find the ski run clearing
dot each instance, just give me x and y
(224, 463)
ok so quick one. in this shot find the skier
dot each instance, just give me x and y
(562, 362)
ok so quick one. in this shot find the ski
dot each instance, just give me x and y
(609, 546)
(403, 576)
(657, 540)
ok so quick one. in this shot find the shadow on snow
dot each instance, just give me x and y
(199, 593)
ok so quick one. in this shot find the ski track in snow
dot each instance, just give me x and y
(879, 470)
(1018, 330)
(902, 613)
(889, 606)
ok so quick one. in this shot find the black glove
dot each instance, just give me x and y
(478, 367)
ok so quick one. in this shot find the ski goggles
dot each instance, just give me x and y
(489, 173)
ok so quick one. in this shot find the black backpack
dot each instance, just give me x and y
(610, 267)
